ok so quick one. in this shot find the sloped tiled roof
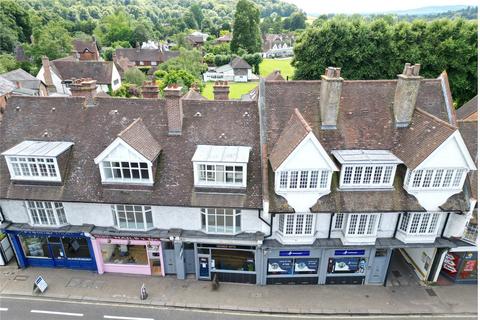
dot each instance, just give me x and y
(94, 128)
(137, 54)
(193, 95)
(295, 131)
(6, 86)
(137, 136)
(81, 45)
(469, 132)
(468, 110)
(239, 63)
(97, 70)
(25, 79)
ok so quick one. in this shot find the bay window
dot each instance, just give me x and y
(33, 168)
(361, 224)
(338, 219)
(419, 223)
(132, 217)
(44, 213)
(438, 178)
(303, 179)
(296, 224)
(216, 220)
(220, 175)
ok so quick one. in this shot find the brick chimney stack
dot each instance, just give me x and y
(85, 87)
(406, 94)
(172, 94)
(330, 93)
(221, 90)
(150, 90)
(47, 75)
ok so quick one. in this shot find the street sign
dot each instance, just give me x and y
(295, 253)
(40, 284)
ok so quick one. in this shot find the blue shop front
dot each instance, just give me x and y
(64, 247)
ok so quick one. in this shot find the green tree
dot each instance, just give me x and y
(134, 76)
(7, 62)
(53, 41)
(246, 31)
(190, 20)
(295, 21)
(188, 60)
(197, 13)
(117, 26)
(15, 25)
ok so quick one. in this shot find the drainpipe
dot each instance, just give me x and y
(330, 228)
(396, 225)
(268, 224)
(445, 225)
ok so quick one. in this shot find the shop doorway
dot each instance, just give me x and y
(204, 267)
(401, 272)
(379, 266)
(58, 253)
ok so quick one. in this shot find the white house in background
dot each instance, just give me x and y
(59, 74)
(238, 70)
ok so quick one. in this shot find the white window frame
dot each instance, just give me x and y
(33, 164)
(413, 222)
(53, 213)
(305, 222)
(338, 221)
(416, 179)
(295, 179)
(353, 226)
(121, 209)
(359, 171)
(106, 179)
(217, 213)
(197, 172)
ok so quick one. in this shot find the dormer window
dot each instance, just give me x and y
(36, 160)
(130, 158)
(220, 166)
(304, 180)
(366, 168)
(436, 178)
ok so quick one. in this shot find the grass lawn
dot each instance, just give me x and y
(237, 89)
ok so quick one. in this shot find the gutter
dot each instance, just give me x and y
(268, 224)
(396, 225)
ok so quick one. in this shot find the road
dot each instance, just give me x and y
(31, 308)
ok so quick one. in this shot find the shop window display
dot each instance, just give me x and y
(35, 247)
(233, 260)
(347, 265)
(76, 248)
(124, 254)
(298, 266)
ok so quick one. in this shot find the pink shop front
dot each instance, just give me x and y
(128, 254)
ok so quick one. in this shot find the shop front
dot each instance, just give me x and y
(295, 265)
(346, 266)
(461, 267)
(227, 263)
(128, 254)
(66, 247)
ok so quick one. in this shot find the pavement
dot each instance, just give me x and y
(86, 286)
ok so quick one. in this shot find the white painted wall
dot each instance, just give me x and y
(423, 259)
(387, 225)
(56, 81)
(115, 76)
(450, 154)
(308, 155)
(101, 215)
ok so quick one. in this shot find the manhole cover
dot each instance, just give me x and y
(431, 293)
(20, 278)
(396, 273)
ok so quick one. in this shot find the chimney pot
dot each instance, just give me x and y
(150, 90)
(330, 93)
(47, 75)
(84, 87)
(406, 93)
(172, 94)
(221, 90)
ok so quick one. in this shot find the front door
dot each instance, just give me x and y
(58, 254)
(204, 267)
(379, 266)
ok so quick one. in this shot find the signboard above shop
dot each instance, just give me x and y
(350, 252)
(295, 253)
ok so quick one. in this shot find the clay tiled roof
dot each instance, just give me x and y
(425, 134)
(97, 70)
(6, 86)
(193, 95)
(469, 132)
(469, 110)
(239, 63)
(137, 136)
(25, 79)
(82, 45)
(137, 54)
(94, 128)
(295, 131)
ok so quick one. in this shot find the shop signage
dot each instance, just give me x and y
(129, 238)
(295, 253)
(349, 252)
(40, 284)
